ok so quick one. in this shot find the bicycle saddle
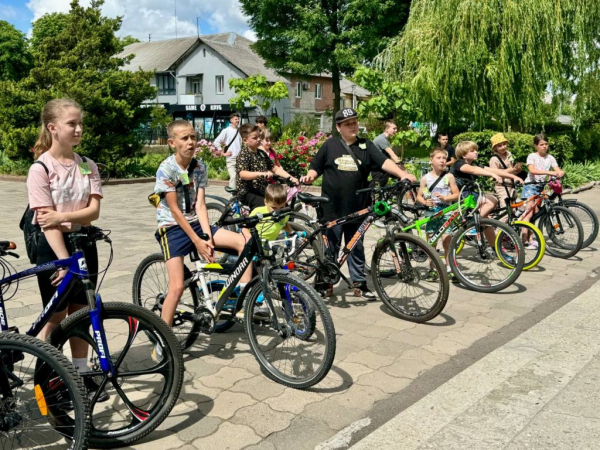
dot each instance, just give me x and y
(309, 198)
(230, 190)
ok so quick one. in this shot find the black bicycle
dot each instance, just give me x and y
(289, 328)
(400, 264)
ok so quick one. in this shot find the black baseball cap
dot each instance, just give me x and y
(345, 114)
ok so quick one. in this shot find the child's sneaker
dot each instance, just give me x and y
(533, 245)
(157, 354)
(451, 276)
(432, 275)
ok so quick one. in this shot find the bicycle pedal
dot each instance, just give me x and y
(205, 319)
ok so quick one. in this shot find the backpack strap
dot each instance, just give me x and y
(186, 191)
(435, 183)
(37, 161)
(504, 166)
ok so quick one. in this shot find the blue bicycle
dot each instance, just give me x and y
(123, 341)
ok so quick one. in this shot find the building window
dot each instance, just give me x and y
(318, 91)
(196, 85)
(165, 83)
(219, 84)
(298, 89)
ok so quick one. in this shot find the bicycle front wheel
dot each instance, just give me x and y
(45, 406)
(294, 342)
(563, 232)
(418, 288)
(149, 371)
(478, 266)
(305, 260)
(534, 250)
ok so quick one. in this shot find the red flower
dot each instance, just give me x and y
(302, 165)
(288, 142)
(301, 138)
(279, 156)
(293, 158)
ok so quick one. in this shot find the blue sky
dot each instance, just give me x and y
(143, 17)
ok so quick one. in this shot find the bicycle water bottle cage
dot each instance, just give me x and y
(381, 208)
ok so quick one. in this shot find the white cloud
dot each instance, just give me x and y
(157, 17)
(7, 12)
(249, 34)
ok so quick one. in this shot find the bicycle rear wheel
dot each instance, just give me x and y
(533, 253)
(477, 266)
(150, 286)
(47, 407)
(418, 288)
(149, 371)
(563, 232)
(305, 260)
(301, 353)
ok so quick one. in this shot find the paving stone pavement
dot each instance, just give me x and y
(226, 403)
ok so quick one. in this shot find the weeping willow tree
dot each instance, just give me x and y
(475, 60)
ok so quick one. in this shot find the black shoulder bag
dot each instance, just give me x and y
(233, 140)
(31, 231)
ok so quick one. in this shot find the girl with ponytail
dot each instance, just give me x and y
(65, 192)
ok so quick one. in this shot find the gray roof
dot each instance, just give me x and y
(159, 55)
(241, 55)
(346, 88)
(164, 55)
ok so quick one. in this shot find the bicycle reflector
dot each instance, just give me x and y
(41, 400)
(381, 208)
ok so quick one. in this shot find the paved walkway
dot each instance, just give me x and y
(383, 365)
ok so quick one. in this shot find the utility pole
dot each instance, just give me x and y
(149, 37)
(175, 1)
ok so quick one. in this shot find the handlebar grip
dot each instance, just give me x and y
(362, 191)
(233, 221)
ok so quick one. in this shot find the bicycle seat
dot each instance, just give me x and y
(231, 191)
(7, 245)
(310, 199)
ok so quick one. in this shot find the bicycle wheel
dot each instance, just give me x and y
(588, 219)
(305, 260)
(215, 212)
(533, 253)
(104, 173)
(478, 267)
(149, 371)
(47, 407)
(563, 232)
(150, 286)
(301, 353)
(408, 293)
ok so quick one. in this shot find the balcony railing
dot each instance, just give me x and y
(190, 99)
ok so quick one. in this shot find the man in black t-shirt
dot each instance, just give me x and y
(444, 140)
(341, 179)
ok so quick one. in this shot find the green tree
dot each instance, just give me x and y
(477, 60)
(47, 26)
(128, 40)
(316, 36)
(15, 58)
(79, 63)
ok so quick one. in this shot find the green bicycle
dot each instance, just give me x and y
(472, 256)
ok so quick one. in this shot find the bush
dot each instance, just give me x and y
(295, 154)
(581, 173)
(588, 143)
(519, 144)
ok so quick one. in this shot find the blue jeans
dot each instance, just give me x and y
(356, 259)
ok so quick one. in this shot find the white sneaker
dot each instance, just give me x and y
(379, 223)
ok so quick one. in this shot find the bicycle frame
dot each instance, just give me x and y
(77, 269)
(468, 203)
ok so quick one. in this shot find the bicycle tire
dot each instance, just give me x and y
(215, 212)
(558, 244)
(410, 276)
(135, 369)
(532, 257)
(305, 261)
(588, 219)
(150, 286)
(104, 173)
(489, 265)
(56, 397)
(268, 351)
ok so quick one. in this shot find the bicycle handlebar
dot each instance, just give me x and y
(253, 220)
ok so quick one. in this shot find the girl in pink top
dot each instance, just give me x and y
(67, 195)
